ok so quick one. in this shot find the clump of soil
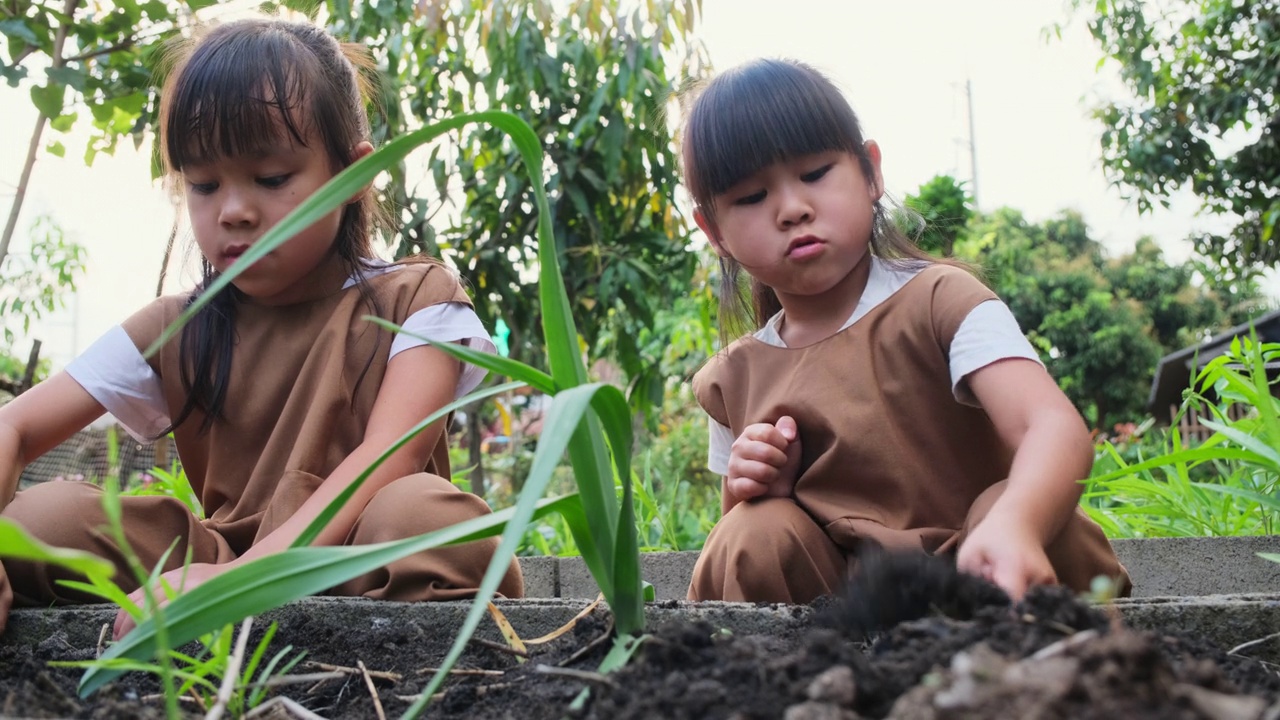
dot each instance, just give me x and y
(911, 639)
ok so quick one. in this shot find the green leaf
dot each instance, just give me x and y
(63, 123)
(309, 534)
(354, 178)
(16, 543)
(16, 28)
(48, 99)
(496, 364)
(277, 579)
(56, 149)
(568, 409)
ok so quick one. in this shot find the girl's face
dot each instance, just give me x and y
(800, 226)
(233, 201)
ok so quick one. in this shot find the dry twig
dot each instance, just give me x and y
(499, 647)
(380, 674)
(589, 646)
(584, 675)
(569, 625)
(373, 692)
(1244, 646)
(292, 708)
(462, 671)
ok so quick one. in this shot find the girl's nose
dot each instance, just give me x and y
(793, 208)
(237, 210)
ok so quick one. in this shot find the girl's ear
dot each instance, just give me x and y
(875, 183)
(363, 148)
(708, 226)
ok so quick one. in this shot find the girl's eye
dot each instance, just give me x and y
(752, 199)
(816, 175)
(203, 188)
(274, 181)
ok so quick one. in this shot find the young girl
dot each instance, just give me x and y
(883, 398)
(278, 394)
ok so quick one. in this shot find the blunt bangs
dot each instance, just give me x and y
(238, 94)
(758, 114)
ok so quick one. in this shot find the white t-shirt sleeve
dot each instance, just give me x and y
(719, 444)
(447, 322)
(988, 334)
(114, 372)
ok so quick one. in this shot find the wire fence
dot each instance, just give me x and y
(88, 456)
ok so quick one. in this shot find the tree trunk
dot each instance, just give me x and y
(11, 224)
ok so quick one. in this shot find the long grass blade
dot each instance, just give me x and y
(342, 187)
(568, 409)
(496, 364)
(318, 524)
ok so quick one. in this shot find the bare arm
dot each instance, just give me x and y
(1052, 453)
(418, 382)
(38, 420)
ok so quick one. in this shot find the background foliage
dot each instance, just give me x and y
(1204, 113)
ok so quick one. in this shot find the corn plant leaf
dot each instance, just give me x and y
(309, 534)
(274, 580)
(1273, 557)
(496, 364)
(16, 543)
(568, 409)
(351, 181)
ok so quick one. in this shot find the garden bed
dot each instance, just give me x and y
(966, 655)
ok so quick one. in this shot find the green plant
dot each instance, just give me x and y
(590, 420)
(1227, 485)
(170, 483)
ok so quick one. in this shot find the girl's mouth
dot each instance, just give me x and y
(804, 247)
(234, 252)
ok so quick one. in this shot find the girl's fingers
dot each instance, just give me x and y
(746, 488)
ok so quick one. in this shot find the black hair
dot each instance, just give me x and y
(232, 91)
(750, 117)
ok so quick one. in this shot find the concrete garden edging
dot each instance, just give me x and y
(1160, 567)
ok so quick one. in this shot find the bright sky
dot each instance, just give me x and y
(902, 64)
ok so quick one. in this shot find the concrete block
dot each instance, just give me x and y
(1247, 623)
(1163, 567)
(1160, 567)
(668, 572)
(541, 576)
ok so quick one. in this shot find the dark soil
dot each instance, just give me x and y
(912, 639)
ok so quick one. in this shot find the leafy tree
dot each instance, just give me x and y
(31, 286)
(1100, 325)
(593, 77)
(77, 57)
(1203, 75)
(946, 208)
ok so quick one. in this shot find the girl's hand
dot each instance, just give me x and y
(181, 580)
(765, 460)
(1006, 554)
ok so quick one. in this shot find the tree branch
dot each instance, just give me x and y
(20, 194)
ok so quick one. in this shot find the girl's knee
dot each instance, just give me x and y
(772, 524)
(58, 513)
(416, 504)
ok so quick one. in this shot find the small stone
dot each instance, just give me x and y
(836, 685)
(818, 711)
